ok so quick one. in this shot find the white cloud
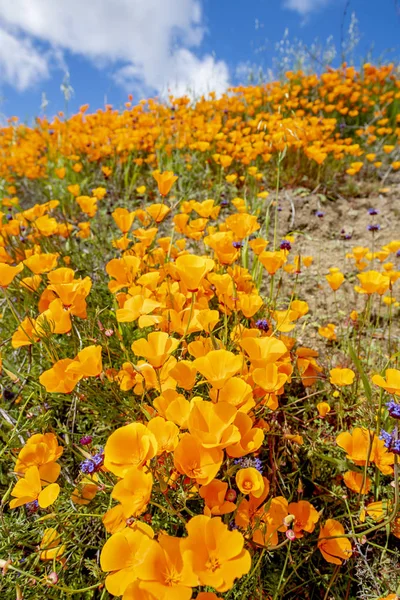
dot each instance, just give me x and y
(186, 75)
(153, 40)
(305, 6)
(21, 65)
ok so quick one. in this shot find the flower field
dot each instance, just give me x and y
(199, 345)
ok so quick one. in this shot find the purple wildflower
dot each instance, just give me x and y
(394, 409)
(93, 464)
(247, 461)
(285, 245)
(86, 440)
(262, 324)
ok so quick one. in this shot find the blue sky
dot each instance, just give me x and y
(146, 47)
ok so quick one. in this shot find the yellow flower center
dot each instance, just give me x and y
(172, 577)
(213, 564)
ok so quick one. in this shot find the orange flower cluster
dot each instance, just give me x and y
(208, 401)
(247, 126)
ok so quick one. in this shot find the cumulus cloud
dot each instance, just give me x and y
(21, 65)
(305, 6)
(151, 43)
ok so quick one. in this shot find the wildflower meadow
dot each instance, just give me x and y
(199, 370)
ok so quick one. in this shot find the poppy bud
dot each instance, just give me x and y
(52, 578)
(230, 495)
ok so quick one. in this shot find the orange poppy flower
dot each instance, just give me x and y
(328, 331)
(42, 451)
(250, 481)
(165, 181)
(218, 366)
(158, 211)
(51, 546)
(123, 218)
(373, 282)
(26, 334)
(251, 438)
(87, 205)
(54, 319)
(214, 497)
(341, 377)
(41, 263)
(263, 351)
(272, 261)
(192, 270)
(88, 362)
(166, 434)
(335, 279)
(124, 554)
(362, 442)
(7, 273)
(323, 409)
(391, 383)
(212, 424)
(308, 366)
(218, 554)
(184, 374)
(337, 549)
(58, 379)
(222, 244)
(235, 391)
(29, 489)
(272, 521)
(354, 481)
(305, 517)
(129, 446)
(269, 378)
(156, 348)
(133, 491)
(123, 270)
(195, 461)
(168, 574)
(242, 225)
(87, 489)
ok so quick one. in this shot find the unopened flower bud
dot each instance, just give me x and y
(52, 578)
(288, 520)
(230, 496)
(290, 534)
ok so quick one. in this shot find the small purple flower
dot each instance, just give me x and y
(285, 245)
(398, 254)
(386, 438)
(9, 217)
(319, 214)
(237, 244)
(247, 461)
(224, 203)
(394, 409)
(390, 440)
(374, 227)
(373, 211)
(86, 440)
(32, 507)
(93, 464)
(262, 324)
(280, 208)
